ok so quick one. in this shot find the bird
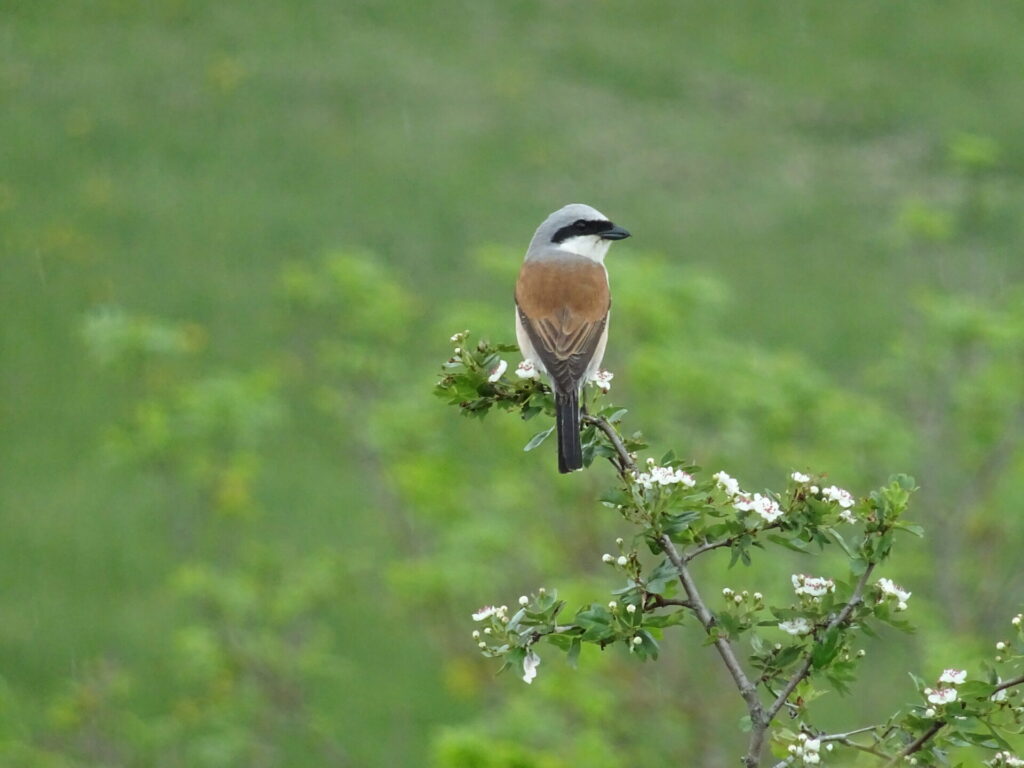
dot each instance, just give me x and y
(563, 303)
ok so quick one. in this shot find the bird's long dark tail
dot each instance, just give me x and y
(567, 419)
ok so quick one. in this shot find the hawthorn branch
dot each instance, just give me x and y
(759, 722)
(840, 618)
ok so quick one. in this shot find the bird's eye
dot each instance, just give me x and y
(580, 224)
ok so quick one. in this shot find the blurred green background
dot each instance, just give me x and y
(237, 530)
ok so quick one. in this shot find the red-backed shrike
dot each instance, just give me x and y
(562, 311)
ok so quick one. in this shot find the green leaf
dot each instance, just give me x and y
(539, 438)
(794, 544)
(573, 656)
(827, 649)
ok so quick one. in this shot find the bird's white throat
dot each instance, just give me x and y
(589, 246)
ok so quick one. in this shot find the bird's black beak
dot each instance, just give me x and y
(615, 233)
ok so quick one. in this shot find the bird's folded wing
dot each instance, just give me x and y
(564, 308)
(565, 344)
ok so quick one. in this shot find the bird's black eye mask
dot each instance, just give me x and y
(582, 227)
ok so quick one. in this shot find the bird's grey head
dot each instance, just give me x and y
(577, 229)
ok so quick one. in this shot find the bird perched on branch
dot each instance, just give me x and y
(562, 311)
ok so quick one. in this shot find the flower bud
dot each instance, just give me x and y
(758, 597)
(481, 644)
(487, 630)
(738, 599)
(524, 600)
(1016, 620)
(619, 541)
(861, 653)
(542, 591)
(476, 634)
(613, 606)
(630, 608)
(637, 640)
(1000, 646)
(606, 558)
(929, 712)
(726, 592)
(622, 560)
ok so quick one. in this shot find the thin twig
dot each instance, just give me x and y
(748, 690)
(1009, 684)
(855, 599)
(625, 462)
(844, 739)
(917, 743)
(664, 602)
(727, 541)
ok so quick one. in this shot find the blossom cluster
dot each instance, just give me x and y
(807, 750)
(603, 380)
(812, 586)
(656, 475)
(890, 590)
(832, 493)
(1007, 759)
(945, 692)
(527, 370)
(797, 626)
(765, 506)
(497, 618)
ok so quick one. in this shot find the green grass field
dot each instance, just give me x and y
(171, 157)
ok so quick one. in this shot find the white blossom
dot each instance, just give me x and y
(930, 712)
(798, 626)
(942, 695)
(815, 490)
(843, 498)
(526, 370)
(603, 380)
(765, 506)
(530, 664)
(497, 371)
(812, 586)
(953, 676)
(1006, 759)
(485, 613)
(847, 517)
(893, 590)
(800, 477)
(663, 476)
(727, 483)
(524, 600)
